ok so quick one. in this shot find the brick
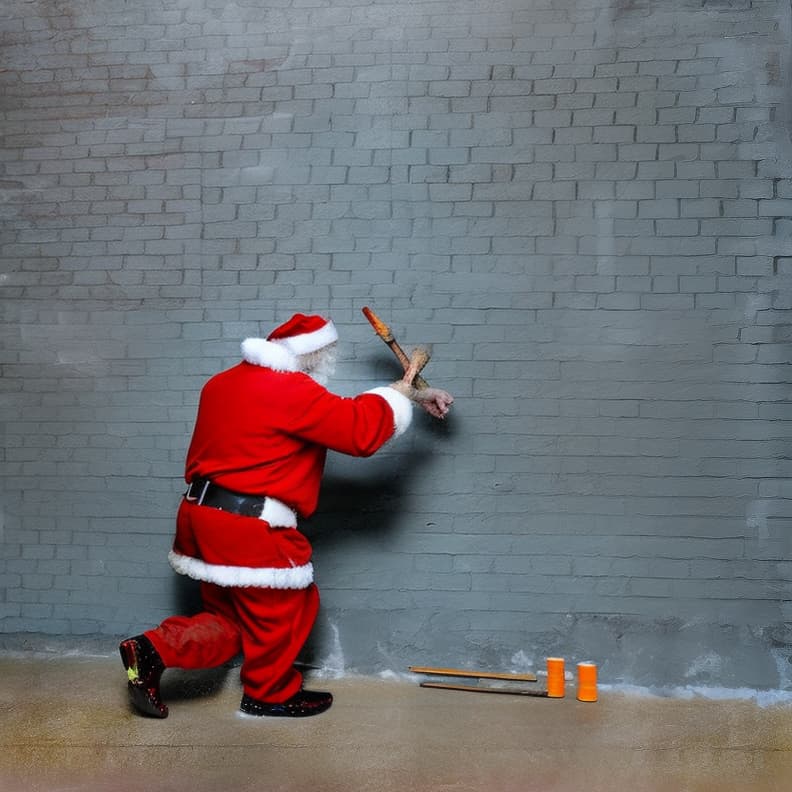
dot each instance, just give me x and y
(637, 152)
(727, 227)
(679, 189)
(667, 207)
(756, 189)
(719, 188)
(700, 207)
(614, 134)
(677, 227)
(775, 208)
(739, 208)
(596, 191)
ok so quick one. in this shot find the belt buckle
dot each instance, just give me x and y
(200, 499)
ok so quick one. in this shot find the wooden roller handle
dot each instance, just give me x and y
(461, 672)
(384, 332)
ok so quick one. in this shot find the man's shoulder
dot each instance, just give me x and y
(246, 375)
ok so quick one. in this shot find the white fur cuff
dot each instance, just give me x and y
(400, 405)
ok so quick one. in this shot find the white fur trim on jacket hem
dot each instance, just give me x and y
(261, 352)
(401, 406)
(297, 577)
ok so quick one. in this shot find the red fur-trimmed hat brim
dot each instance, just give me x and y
(303, 334)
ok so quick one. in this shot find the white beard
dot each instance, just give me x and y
(320, 365)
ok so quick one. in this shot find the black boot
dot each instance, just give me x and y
(144, 668)
(300, 705)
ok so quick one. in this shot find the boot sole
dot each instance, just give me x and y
(143, 702)
(140, 696)
(286, 710)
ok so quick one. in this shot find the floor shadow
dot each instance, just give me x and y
(178, 684)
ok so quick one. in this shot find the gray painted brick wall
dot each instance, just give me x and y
(586, 206)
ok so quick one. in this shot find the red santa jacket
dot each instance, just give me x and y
(264, 428)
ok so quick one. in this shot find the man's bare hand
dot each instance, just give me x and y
(435, 401)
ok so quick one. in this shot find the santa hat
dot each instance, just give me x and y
(299, 336)
(303, 334)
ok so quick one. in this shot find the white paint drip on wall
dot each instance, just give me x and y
(521, 662)
(333, 665)
(783, 663)
(709, 663)
(762, 698)
(756, 513)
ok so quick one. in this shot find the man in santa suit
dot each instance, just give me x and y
(254, 466)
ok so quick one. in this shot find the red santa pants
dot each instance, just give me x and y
(269, 627)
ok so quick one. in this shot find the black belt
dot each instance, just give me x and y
(205, 493)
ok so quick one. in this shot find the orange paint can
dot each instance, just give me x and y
(587, 682)
(555, 677)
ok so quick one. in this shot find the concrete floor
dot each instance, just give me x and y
(66, 725)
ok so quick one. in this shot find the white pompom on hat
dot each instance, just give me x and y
(303, 334)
